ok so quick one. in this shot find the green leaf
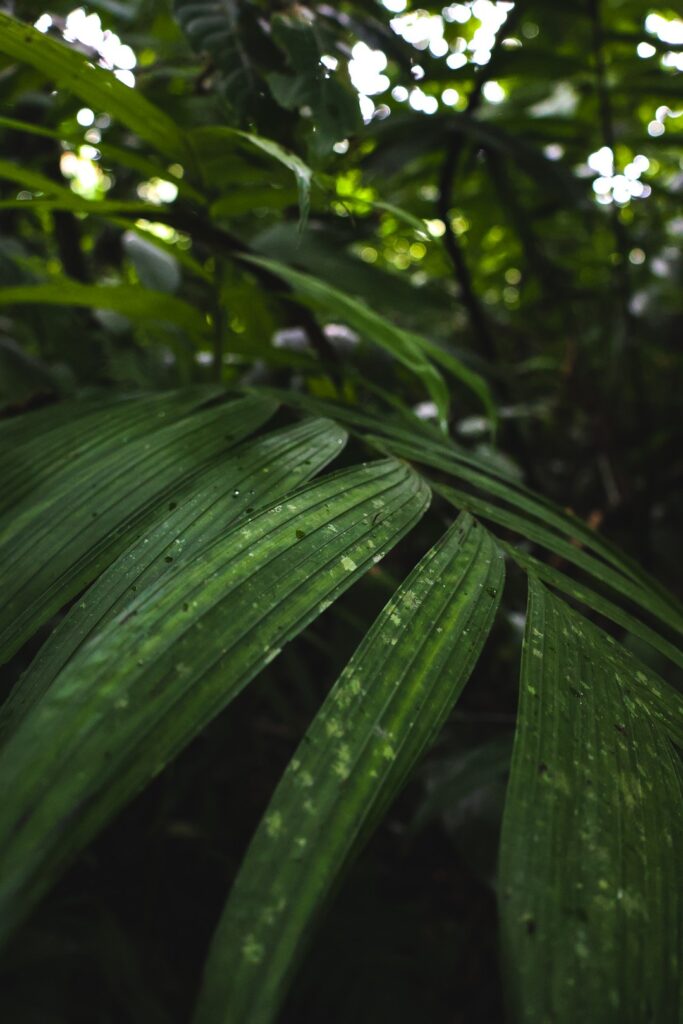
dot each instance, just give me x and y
(464, 465)
(70, 70)
(244, 200)
(209, 138)
(618, 581)
(217, 28)
(25, 126)
(19, 430)
(31, 179)
(128, 300)
(39, 445)
(492, 482)
(201, 509)
(138, 691)
(597, 602)
(302, 173)
(590, 869)
(58, 540)
(156, 268)
(385, 709)
(330, 96)
(415, 352)
(67, 200)
(111, 154)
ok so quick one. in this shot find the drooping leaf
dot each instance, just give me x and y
(43, 421)
(465, 466)
(561, 539)
(70, 70)
(143, 686)
(31, 179)
(384, 710)
(201, 510)
(323, 250)
(418, 354)
(617, 581)
(590, 868)
(128, 300)
(26, 126)
(214, 138)
(560, 581)
(67, 200)
(59, 541)
(148, 166)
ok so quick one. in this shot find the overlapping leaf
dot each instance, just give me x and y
(39, 446)
(202, 509)
(150, 680)
(209, 142)
(566, 585)
(466, 466)
(619, 582)
(55, 545)
(386, 707)
(590, 873)
(541, 521)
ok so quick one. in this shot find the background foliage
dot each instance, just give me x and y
(407, 220)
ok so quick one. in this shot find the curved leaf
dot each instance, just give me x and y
(72, 71)
(150, 680)
(464, 465)
(38, 446)
(91, 511)
(590, 869)
(599, 604)
(202, 509)
(618, 582)
(211, 138)
(412, 350)
(385, 709)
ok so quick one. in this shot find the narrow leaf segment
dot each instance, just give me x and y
(590, 864)
(146, 683)
(54, 546)
(386, 707)
(199, 512)
(414, 351)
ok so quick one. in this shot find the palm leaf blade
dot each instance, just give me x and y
(56, 545)
(465, 466)
(620, 583)
(206, 507)
(589, 871)
(383, 711)
(151, 679)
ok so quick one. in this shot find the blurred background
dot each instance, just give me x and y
(504, 179)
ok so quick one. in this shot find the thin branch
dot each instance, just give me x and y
(455, 253)
(449, 170)
(621, 277)
(218, 321)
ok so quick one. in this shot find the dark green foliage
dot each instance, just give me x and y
(220, 277)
